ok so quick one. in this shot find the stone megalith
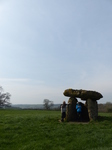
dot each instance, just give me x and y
(92, 109)
(71, 110)
(83, 94)
(91, 106)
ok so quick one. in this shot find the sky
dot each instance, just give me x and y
(47, 46)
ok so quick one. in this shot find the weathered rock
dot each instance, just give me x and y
(83, 94)
(71, 110)
(92, 109)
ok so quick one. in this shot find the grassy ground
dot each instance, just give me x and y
(41, 130)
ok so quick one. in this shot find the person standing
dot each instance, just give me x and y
(79, 111)
(63, 111)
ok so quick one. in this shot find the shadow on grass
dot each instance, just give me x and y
(107, 118)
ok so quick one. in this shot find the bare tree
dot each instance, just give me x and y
(47, 104)
(4, 98)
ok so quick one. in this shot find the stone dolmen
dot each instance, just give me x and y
(89, 109)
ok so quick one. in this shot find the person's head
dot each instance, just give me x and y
(64, 102)
(78, 103)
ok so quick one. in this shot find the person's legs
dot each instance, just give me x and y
(80, 116)
(77, 116)
(63, 116)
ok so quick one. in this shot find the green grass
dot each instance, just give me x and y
(41, 130)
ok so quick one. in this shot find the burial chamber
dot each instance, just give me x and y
(89, 109)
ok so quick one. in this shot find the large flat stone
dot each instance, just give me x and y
(83, 94)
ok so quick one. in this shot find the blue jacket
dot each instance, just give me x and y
(78, 108)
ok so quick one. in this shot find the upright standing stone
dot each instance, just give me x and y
(71, 109)
(96, 109)
(92, 109)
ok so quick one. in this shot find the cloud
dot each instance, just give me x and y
(19, 80)
(51, 51)
(13, 79)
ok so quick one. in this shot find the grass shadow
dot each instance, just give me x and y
(107, 118)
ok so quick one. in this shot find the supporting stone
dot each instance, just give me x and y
(71, 109)
(92, 109)
(96, 109)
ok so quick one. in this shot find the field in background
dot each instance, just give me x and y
(107, 107)
(41, 130)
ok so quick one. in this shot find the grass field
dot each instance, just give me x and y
(41, 130)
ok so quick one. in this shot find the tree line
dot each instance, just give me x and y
(107, 107)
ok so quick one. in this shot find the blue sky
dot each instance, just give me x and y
(49, 46)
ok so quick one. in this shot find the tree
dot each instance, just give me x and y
(47, 104)
(4, 98)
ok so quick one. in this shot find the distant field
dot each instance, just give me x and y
(41, 130)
